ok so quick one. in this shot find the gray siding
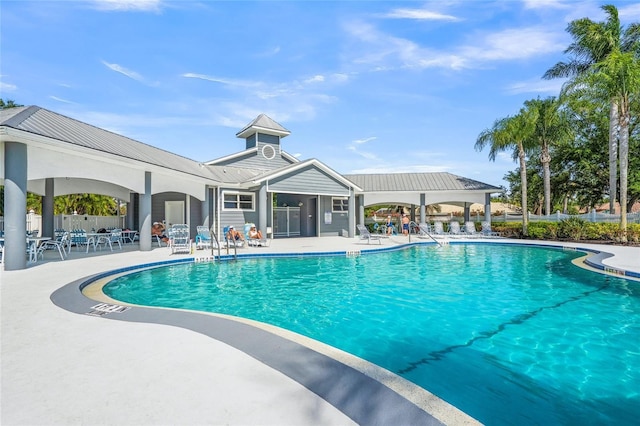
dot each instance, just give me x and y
(257, 161)
(238, 218)
(339, 221)
(308, 181)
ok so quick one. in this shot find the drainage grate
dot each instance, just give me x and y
(102, 309)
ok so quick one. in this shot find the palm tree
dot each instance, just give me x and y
(512, 134)
(551, 126)
(592, 43)
(618, 76)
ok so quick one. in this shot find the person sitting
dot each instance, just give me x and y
(158, 230)
(234, 235)
(389, 225)
(255, 234)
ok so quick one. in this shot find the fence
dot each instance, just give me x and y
(68, 222)
(592, 216)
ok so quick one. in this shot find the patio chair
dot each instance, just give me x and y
(366, 235)
(59, 244)
(425, 229)
(254, 242)
(454, 229)
(231, 242)
(180, 241)
(113, 237)
(486, 230)
(203, 238)
(79, 238)
(470, 229)
(438, 228)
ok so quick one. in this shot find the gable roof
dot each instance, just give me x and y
(272, 174)
(39, 121)
(264, 124)
(398, 182)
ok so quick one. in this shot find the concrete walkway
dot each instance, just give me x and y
(61, 368)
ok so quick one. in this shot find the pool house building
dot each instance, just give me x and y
(49, 154)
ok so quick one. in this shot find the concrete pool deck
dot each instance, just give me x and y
(62, 368)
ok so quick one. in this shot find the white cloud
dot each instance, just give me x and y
(629, 13)
(545, 4)
(363, 154)
(55, 98)
(552, 87)
(122, 70)
(7, 87)
(361, 141)
(226, 81)
(515, 43)
(419, 14)
(315, 79)
(128, 5)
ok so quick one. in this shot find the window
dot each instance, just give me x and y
(238, 201)
(340, 204)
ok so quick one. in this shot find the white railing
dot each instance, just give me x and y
(68, 222)
(592, 216)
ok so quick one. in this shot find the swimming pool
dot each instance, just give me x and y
(510, 335)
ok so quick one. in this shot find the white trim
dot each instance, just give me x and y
(238, 193)
(340, 211)
(273, 154)
(232, 156)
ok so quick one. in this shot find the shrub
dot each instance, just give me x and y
(572, 228)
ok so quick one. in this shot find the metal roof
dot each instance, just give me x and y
(265, 124)
(423, 182)
(42, 122)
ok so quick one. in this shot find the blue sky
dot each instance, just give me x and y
(363, 86)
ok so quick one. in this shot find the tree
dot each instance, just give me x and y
(8, 104)
(512, 134)
(551, 126)
(592, 43)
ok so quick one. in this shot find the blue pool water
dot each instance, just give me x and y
(509, 334)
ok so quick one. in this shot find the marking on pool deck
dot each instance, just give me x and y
(353, 253)
(614, 271)
(518, 319)
(102, 309)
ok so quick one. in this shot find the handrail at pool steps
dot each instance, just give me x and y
(214, 237)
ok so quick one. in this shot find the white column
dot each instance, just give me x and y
(145, 214)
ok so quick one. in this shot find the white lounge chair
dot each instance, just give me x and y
(454, 229)
(59, 244)
(203, 238)
(438, 228)
(180, 241)
(366, 235)
(486, 230)
(230, 242)
(470, 229)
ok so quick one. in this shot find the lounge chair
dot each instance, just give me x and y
(203, 238)
(470, 229)
(486, 230)
(454, 229)
(438, 228)
(180, 241)
(425, 229)
(366, 235)
(230, 242)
